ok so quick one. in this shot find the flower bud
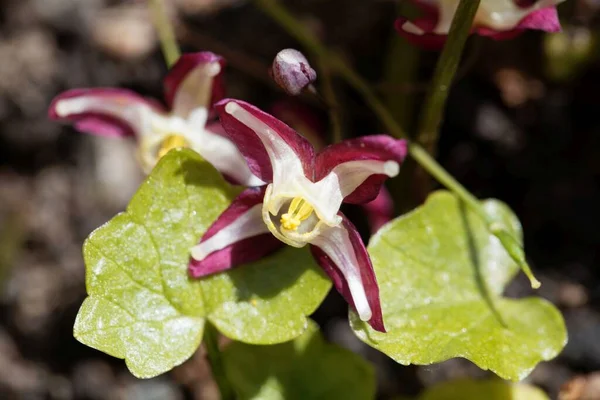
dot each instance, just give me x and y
(292, 72)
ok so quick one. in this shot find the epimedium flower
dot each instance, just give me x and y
(191, 87)
(305, 121)
(498, 19)
(300, 205)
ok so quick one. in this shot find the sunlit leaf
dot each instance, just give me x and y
(305, 368)
(143, 307)
(441, 276)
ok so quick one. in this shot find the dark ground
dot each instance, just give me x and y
(511, 132)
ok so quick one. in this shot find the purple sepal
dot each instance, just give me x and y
(251, 146)
(100, 122)
(377, 147)
(545, 20)
(241, 252)
(184, 66)
(366, 272)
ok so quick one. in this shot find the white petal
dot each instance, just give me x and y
(500, 15)
(245, 226)
(196, 90)
(412, 28)
(327, 195)
(335, 242)
(137, 114)
(223, 155)
(352, 174)
(285, 162)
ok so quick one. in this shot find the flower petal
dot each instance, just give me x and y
(105, 111)
(342, 254)
(238, 236)
(218, 150)
(545, 19)
(421, 31)
(498, 19)
(269, 145)
(361, 165)
(194, 82)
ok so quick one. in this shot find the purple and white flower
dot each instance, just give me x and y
(498, 19)
(300, 205)
(192, 87)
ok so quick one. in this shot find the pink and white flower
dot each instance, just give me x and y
(192, 86)
(305, 121)
(498, 19)
(300, 205)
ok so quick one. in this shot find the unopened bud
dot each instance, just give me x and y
(292, 72)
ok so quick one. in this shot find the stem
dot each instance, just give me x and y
(281, 15)
(445, 72)
(166, 34)
(331, 101)
(213, 353)
(400, 70)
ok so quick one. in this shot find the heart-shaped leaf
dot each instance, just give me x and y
(143, 307)
(467, 389)
(305, 368)
(441, 276)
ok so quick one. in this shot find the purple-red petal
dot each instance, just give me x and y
(366, 272)
(96, 120)
(184, 66)
(241, 252)
(545, 20)
(377, 147)
(251, 146)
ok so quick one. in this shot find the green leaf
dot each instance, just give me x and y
(143, 307)
(306, 368)
(267, 302)
(466, 389)
(441, 276)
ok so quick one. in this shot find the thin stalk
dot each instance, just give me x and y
(213, 353)
(330, 98)
(166, 33)
(445, 71)
(278, 13)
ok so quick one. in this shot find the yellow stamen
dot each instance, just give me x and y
(298, 211)
(171, 142)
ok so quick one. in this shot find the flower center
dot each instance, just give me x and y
(298, 211)
(171, 142)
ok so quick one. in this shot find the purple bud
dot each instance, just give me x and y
(292, 72)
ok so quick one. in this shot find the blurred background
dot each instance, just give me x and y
(522, 125)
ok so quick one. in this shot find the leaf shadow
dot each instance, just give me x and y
(477, 267)
(195, 173)
(268, 277)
